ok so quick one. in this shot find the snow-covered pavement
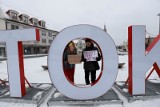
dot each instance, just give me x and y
(35, 74)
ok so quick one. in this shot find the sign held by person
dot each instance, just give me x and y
(90, 55)
(74, 59)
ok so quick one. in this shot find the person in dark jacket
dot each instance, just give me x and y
(69, 68)
(90, 67)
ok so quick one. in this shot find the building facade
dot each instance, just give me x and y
(148, 41)
(11, 20)
(124, 46)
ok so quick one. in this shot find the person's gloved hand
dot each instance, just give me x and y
(83, 60)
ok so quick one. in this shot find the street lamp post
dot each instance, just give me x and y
(159, 22)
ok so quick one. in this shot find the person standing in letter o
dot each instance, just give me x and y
(69, 68)
(90, 66)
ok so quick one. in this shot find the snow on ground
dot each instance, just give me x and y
(35, 74)
(123, 72)
(147, 103)
(4, 104)
(33, 70)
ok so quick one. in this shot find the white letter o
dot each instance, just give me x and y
(110, 62)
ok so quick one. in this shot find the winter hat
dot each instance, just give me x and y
(88, 40)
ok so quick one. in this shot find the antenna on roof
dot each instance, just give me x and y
(105, 28)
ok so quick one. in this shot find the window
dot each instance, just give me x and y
(14, 16)
(54, 35)
(25, 19)
(43, 24)
(49, 34)
(35, 22)
(50, 41)
(43, 33)
(43, 40)
(14, 27)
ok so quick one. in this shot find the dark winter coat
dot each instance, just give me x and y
(67, 52)
(91, 65)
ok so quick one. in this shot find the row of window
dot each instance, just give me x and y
(44, 41)
(43, 33)
(25, 18)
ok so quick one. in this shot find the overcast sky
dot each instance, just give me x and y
(117, 15)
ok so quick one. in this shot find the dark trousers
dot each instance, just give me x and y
(93, 76)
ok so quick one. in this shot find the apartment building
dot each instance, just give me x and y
(11, 20)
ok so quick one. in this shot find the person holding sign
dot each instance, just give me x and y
(69, 68)
(90, 57)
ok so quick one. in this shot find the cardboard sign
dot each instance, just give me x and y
(74, 59)
(90, 55)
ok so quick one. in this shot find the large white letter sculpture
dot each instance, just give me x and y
(110, 62)
(13, 40)
(139, 61)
